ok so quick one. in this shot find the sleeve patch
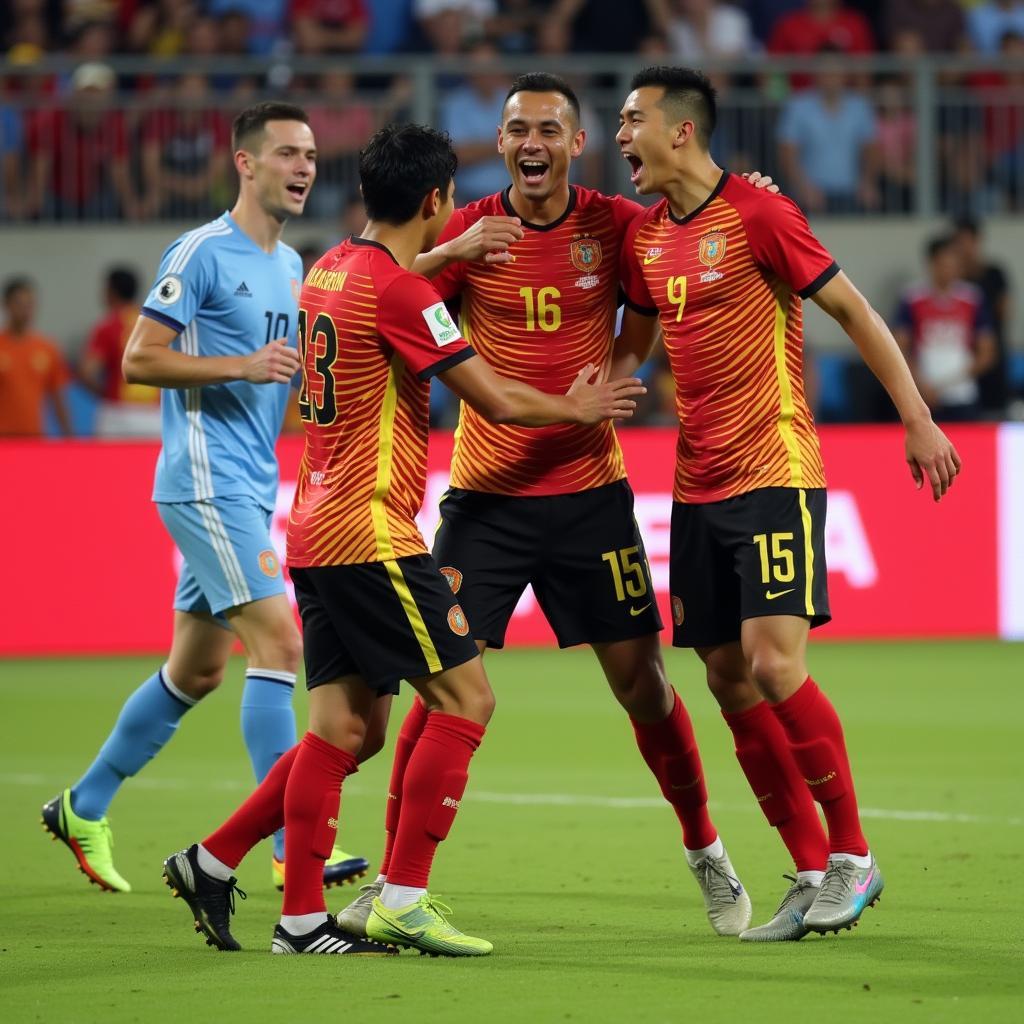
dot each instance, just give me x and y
(440, 324)
(168, 290)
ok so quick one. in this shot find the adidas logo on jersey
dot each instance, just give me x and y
(243, 289)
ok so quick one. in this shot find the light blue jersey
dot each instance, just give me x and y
(226, 297)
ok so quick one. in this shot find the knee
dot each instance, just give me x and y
(474, 702)
(730, 683)
(643, 690)
(776, 673)
(199, 682)
(373, 743)
(279, 648)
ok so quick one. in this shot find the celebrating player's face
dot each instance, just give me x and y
(539, 138)
(284, 168)
(645, 139)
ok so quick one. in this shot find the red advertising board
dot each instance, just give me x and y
(90, 569)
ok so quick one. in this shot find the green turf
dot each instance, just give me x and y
(592, 913)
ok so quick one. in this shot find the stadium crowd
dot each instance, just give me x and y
(101, 144)
(93, 142)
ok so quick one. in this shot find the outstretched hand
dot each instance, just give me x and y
(931, 454)
(604, 400)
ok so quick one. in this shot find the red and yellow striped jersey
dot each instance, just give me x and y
(727, 282)
(540, 320)
(371, 335)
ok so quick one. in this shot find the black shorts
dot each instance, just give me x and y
(582, 554)
(760, 553)
(384, 621)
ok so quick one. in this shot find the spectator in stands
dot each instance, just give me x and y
(1002, 105)
(471, 114)
(515, 27)
(939, 24)
(162, 28)
(329, 26)
(897, 143)
(126, 410)
(991, 279)
(390, 28)
(185, 161)
(696, 29)
(821, 25)
(78, 156)
(264, 21)
(449, 25)
(828, 146)
(11, 139)
(945, 332)
(341, 124)
(32, 369)
(989, 22)
(599, 26)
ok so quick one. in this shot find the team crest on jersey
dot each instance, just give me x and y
(269, 564)
(585, 254)
(711, 252)
(677, 610)
(453, 576)
(457, 620)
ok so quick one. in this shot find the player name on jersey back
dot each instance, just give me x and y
(540, 319)
(371, 335)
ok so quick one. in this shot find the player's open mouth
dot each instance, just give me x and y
(533, 171)
(637, 164)
(298, 189)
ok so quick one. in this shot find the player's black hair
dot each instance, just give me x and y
(248, 127)
(541, 81)
(123, 282)
(689, 95)
(400, 166)
(937, 245)
(20, 283)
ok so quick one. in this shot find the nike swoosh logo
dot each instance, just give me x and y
(779, 593)
(639, 611)
(648, 260)
(863, 888)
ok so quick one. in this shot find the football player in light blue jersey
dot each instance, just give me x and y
(217, 333)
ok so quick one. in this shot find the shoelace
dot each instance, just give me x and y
(231, 885)
(721, 884)
(835, 886)
(439, 908)
(795, 890)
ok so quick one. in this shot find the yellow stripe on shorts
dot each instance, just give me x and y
(412, 613)
(805, 515)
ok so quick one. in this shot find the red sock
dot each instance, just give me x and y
(260, 816)
(410, 732)
(311, 801)
(815, 736)
(764, 755)
(435, 780)
(670, 749)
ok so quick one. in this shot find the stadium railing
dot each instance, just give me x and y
(950, 133)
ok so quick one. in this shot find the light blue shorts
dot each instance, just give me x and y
(229, 557)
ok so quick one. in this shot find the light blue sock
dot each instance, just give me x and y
(147, 721)
(268, 724)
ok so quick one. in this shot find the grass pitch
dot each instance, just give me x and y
(563, 855)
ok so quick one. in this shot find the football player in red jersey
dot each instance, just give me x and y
(724, 270)
(552, 508)
(374, 607)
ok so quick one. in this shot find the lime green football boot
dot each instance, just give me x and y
(340, 868)
(90, 841)
(423, 926)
